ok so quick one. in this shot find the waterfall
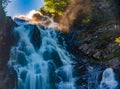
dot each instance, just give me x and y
(108, 80)
(39, 60)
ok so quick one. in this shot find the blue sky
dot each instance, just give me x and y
(17, 7)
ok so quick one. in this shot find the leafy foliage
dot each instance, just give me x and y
(54, 7)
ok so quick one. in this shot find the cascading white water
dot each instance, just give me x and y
(45, 67)
(108, 80)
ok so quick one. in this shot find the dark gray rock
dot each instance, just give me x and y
(99, 44)
(35, 37)
(7, 79)
(7, 40)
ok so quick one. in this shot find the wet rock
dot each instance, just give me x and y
(97, 54)
(35, 37)
(22, 56)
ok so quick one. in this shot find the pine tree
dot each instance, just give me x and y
(3, 4)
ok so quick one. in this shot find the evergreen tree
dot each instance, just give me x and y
(3, 4)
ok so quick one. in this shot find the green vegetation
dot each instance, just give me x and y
(54, 7)
(3, 4)
(2, 15)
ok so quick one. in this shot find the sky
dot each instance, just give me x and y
(18, 7)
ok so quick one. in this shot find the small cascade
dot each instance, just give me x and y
(108, 80)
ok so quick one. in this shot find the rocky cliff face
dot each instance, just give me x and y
(96, 38)
(6, 40)
(7, 76)
(101, 44)
(98, 44)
